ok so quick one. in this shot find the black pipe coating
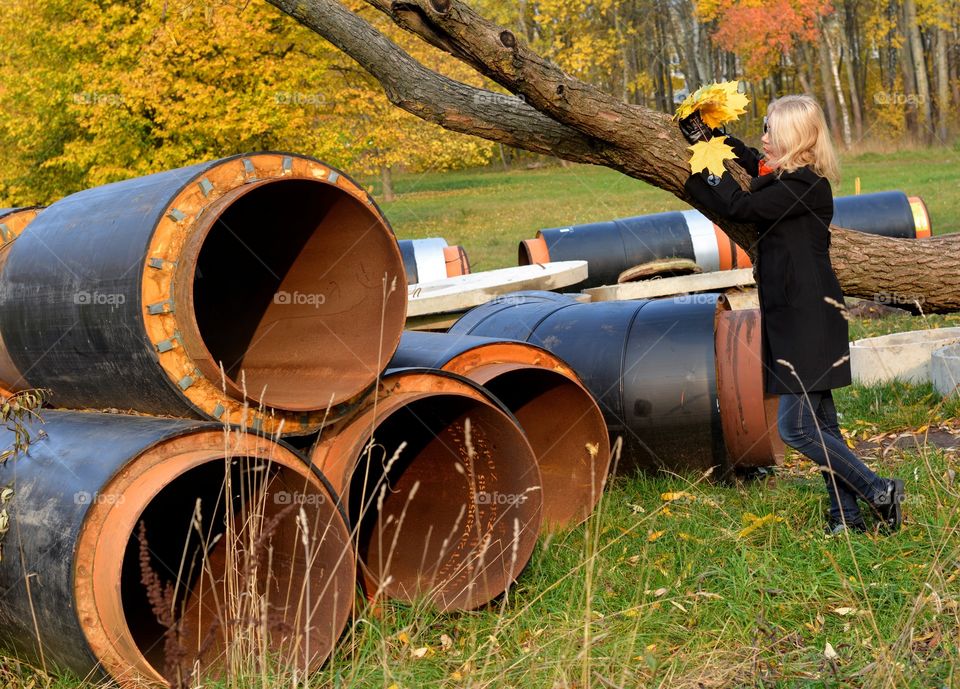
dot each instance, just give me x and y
(612, 247)
(885, 213)
(649, 364)
(54, 486)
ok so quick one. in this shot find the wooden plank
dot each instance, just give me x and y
(664, 287)
(466, 291)
(433, 322)
(740, 300)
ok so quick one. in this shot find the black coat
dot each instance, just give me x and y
(792, 213)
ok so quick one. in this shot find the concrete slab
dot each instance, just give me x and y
(466, 291)
(945, 370)
(904, 356)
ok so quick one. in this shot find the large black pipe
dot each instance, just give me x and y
(611, 247)
(614, 246)
(269, 265)
(650, 365)
(70, 575)
(886, 213)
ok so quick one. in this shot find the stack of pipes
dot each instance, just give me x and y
(237, 410)
(193, 328)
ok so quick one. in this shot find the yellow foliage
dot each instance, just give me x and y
(677, 495)
(710, 155)
(95, 91)
(717, 103)
(753, 522)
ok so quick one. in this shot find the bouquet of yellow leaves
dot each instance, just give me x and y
(715, 105)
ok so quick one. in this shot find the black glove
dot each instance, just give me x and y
(694, 129)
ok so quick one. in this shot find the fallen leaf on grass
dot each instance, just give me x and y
(677, 495)
(654, 535)
(421, 652)
(754, 522)
(829, 653)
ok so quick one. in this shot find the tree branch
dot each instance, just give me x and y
(497, 53)
(436, 98)
(578, 122)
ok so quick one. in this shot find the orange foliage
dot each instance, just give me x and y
(760, 31)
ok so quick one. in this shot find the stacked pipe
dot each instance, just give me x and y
(427, 260)
(663, 372)
(258, 294)
(236, 290)
(441, 486)
(559, 415)
(610, 248)
(76, 500)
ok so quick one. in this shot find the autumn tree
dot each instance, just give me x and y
(94, 91)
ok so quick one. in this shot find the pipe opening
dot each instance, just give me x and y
(452, 539)
(531, 251)
(567, 434)
(288, 293)
(200, 547)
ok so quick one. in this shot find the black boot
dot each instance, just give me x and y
(889, 506)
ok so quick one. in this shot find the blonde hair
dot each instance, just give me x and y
(798, 130)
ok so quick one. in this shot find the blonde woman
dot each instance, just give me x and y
(804, 334)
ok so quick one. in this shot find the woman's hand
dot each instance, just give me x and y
(694, 130)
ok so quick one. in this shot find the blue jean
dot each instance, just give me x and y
(808, 424)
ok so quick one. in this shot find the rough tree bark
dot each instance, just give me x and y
(556, 114)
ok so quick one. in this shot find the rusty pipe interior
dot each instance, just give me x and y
(442, 489)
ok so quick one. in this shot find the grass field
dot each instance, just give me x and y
(489, 212)
(679, 581)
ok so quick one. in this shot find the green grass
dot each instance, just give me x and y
(489, 211)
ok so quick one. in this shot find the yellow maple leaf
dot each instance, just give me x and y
(710, 155)
(754, 522)
(717, 104)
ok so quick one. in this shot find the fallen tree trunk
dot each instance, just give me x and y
(556, 114)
